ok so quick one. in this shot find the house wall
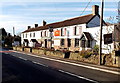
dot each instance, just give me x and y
(69, 33)
(95, 31)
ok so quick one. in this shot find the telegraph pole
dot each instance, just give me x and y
(13, 31)
(101, 25)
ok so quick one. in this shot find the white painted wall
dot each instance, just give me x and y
(95, 31)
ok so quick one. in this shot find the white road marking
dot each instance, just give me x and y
(40, 64)
(13, 55)
(81, 77)
(22, 58)
(108, 71)
(75, 64)
(6, 53)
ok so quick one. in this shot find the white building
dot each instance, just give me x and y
(76, 34)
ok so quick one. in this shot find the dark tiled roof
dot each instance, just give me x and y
(88, 35)
(69, 22)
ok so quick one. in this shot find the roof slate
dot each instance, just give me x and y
(68, 22)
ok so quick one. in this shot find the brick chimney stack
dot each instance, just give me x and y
(29, 27)
(36, 25)
(44, 23)
(95, 9)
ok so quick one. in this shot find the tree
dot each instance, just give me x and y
(9, 40)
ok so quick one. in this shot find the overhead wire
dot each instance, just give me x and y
(86, 7)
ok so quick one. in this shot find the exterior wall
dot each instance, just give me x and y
(95, 33)
(69, 33)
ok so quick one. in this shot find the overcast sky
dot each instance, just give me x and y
(23, 13)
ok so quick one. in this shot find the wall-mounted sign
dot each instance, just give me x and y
(57, 33)
(108, 38)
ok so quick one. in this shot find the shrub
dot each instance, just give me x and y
(96, 49)
(85, 53)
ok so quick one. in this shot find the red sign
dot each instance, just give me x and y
(57, 33)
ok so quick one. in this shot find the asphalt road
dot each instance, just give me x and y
(16, 70)
(26, 68)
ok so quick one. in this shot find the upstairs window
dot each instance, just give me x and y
(61, 32)
(23, 35)
(30, 35)
(41, 33)
(45, 33)
(76, 42)
(26, 35)
(75, 30)
(33, 34)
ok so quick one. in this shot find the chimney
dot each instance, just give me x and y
(44, 23)
(95, 9)
(29, 27)
(36, 25)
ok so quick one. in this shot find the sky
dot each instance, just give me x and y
(23, 13)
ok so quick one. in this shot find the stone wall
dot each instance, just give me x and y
(19, 48)
(108, 60)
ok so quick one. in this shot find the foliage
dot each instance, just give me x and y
(8, 40)
(96, 49)
(85, 53)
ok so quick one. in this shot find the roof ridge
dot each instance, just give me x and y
(70, 19)
(68, 22)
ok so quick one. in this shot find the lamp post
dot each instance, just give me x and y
(50, 30)
(101, 25)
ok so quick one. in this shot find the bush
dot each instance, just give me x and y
(85, 53)
(96, 49)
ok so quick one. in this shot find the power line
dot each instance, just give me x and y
(86, 7)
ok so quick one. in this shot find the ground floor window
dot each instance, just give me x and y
(77, 42)
(69, 42)
(62, 42)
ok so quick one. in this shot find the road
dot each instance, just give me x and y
(25, 68)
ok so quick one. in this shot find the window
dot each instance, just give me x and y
(23, 35)
(62, 42)
(30, 35)
(65, 31)
(33, 34)
(75, 30)
(45, 33)
(26, 35)
(69, 42)
(61, 32)
(41, 33)
(76, 42)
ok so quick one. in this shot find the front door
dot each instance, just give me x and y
(83, 44)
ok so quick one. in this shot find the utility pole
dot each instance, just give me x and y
(13, 31)
(101, 25)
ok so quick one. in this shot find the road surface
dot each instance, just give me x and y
(26, 68)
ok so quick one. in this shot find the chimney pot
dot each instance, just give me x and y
(95, 9)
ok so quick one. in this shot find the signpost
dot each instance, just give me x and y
(51, 30)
